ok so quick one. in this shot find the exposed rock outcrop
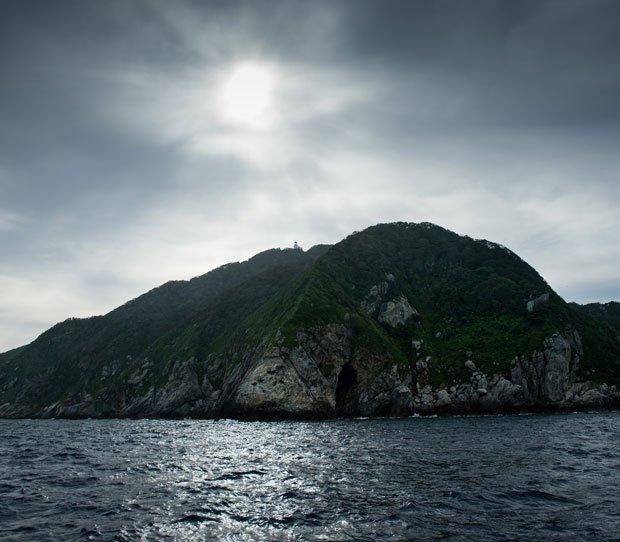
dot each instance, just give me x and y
(546, 376)
(396, 312)
(533, 303)
(321, 377)
(393, 312)
(546, 379)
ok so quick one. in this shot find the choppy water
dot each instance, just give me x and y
(542, 477)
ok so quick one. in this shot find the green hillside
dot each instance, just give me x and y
(471, 296)
(69, 357)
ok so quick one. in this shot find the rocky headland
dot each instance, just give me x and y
(395, 320)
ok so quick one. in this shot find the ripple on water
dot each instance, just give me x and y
(484, 478)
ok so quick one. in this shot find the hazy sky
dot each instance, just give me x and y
(143, 141)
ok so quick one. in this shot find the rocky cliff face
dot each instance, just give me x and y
(544, 380)
(547, 375)
(322, 376)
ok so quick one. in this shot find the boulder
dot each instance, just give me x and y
(443, 399)
(396, 312)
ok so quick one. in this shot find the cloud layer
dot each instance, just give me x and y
(118, 170)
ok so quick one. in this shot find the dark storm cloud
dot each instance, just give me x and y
(526, 62)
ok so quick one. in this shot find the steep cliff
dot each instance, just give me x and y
(399, 318)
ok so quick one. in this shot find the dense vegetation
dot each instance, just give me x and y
(606, 312)
(471, 297)
(599, 325)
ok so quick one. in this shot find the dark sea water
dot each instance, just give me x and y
(539, 477)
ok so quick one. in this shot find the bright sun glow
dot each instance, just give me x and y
(246, 95)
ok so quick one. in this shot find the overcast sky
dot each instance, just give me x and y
(143, 141)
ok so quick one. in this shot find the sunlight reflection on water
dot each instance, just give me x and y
(464, 478)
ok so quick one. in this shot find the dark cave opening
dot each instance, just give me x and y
(347, 380)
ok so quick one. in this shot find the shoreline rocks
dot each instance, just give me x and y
(323, 376)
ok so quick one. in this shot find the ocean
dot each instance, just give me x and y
(529, 477)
